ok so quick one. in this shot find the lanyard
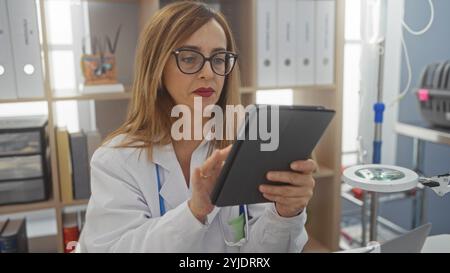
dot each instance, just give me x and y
(162, 207)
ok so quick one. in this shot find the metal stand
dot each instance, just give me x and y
(377, 141)
(364, 219)
(373, 216)
(418, 218)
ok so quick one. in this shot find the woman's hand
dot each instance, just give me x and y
(203, 181)
(290, 200)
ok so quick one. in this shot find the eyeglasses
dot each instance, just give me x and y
(190, 61)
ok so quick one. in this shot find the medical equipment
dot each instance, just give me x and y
(380, 178)
(374, 32)
(440, 184)
(243, 212)
(386, 178)
(433, 94)
(377, 178)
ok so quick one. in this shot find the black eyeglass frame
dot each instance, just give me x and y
(176, 52)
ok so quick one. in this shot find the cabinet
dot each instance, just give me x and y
(24, 160)
(324, 209)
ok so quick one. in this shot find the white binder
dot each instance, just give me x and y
(325, 41)
(26, 48)
(7, 77)
(287, 43)
(266, 53)
(305, 28)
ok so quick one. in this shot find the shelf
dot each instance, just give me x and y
(323, 172)
(19, 100)
(76, 203)
(252, 89)
(127, 93)
(98, 96)
(45, 244)
(435, 135)
(8, 209)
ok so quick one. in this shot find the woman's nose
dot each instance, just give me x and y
(206, 71)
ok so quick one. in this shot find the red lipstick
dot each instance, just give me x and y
(204, 92)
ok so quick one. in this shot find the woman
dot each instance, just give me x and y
(150, 192)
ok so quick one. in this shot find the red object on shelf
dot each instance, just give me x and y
(70, 235)
(423, 95)
(357, 193)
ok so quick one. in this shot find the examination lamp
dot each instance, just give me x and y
(377, 178)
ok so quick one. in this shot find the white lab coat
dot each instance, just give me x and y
(123, 213)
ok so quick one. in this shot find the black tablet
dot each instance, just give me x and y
(299, 130)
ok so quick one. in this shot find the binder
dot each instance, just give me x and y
(287, 43)
(266, 53)
(325, 41)
(305, 28)
(26, 48)
(64, 165)
(7, 76)
(13, 238)
(80, 166)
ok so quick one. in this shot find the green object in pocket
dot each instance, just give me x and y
(238, 227)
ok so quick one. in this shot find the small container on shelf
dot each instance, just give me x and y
(24, 160)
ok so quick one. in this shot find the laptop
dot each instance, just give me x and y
(411, 242)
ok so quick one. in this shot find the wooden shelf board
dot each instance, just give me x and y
(99, 96)
(324, 172)
(19, 100)
(44, 244)
(17, 208)
(127, 94)
(252, 89)
(115, 1)
(76, 202)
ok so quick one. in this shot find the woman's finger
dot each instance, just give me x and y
(291, 178)
(286, 191)
(304, 166)
(296, 203)
(215, 161)
(285, 201)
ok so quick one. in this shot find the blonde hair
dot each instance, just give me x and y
(148, 121)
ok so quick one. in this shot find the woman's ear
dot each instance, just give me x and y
(161, 89)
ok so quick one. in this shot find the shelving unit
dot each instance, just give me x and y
(324, 208)
(8, 209)
(100, 96)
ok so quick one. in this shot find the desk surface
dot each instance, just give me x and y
(437, 244)
(424, 132)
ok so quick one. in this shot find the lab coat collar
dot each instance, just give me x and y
(174, 190)
(163, 155)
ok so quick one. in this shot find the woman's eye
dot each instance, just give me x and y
(219, 60)
(188, 60)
